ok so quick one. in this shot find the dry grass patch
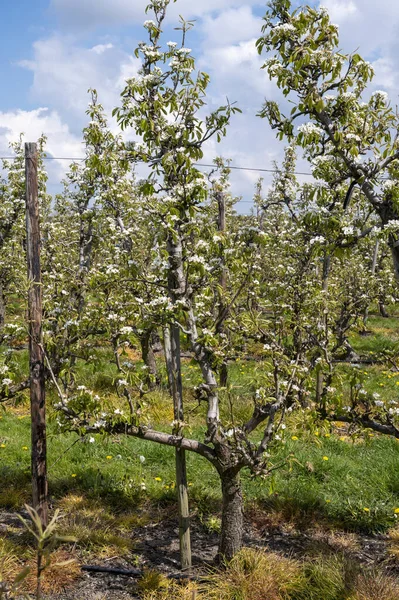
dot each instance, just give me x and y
(10, 563)
(95, 529)
(255, 575)
(278, 513)
(13, 497)
(337, 541)
(251, 575)
(57, 576)
(174, 591)
(393, 544)
(376, 586)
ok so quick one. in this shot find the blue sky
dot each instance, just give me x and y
(52, 51)
(22, 23)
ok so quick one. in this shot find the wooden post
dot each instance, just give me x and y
(319, 374)
(373, 270)
(177, 290)
(221, 200)
(36, 354)
(181, 469)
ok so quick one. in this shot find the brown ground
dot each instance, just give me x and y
(157, 549)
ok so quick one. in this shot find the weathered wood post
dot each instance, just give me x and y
(176, 288)
(221, 200)
(181, 469)
(36, 353)
(319, 373)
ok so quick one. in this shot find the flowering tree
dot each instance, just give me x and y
(13, 279)
(163, 106)
(123, 258)
(351, 143)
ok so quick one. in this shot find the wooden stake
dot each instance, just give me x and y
(221, 200)
(181, 470)
(36, 354)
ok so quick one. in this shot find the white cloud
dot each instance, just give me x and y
(231, 26)
(101, 48)
(365, 24)
(236, 71)
(386, 74)
(80, 14)
(91, 13)
(63, 71)
(34, 123)
(340, 9)
(371, 28)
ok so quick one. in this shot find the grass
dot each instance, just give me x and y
(256, 575)
(348, 483)
(106, 491)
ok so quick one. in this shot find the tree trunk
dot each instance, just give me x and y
(394, 245)
(167, 344)
(383, 310)
(374, 263)
(2, 308)
(149, 359)
(156, 343)
(223, 374)
(319, 386)
(232, 516)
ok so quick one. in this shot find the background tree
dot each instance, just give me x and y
(352, 142)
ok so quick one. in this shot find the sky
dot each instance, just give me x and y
(53, 51)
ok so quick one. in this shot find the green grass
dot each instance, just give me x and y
(104, 488)
(358, 475)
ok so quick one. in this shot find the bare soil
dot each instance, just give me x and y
(158, 549)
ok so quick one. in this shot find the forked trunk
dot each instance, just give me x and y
(232, 516)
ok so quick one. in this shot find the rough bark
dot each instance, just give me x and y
(373, 271)
(2, 307)
(36, 354)
(149, 359)
(168, 357)
(232, 515)
(221, 200)
(383, 311)
(177, 288)
(394, 245)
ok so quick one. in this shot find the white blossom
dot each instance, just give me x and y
(380, 96)
(348, 230)
(310, 129)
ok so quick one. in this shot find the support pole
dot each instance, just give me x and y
(36, 354)
(221, 200)
(181, 469)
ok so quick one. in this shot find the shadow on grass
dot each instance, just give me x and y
(303, 514)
